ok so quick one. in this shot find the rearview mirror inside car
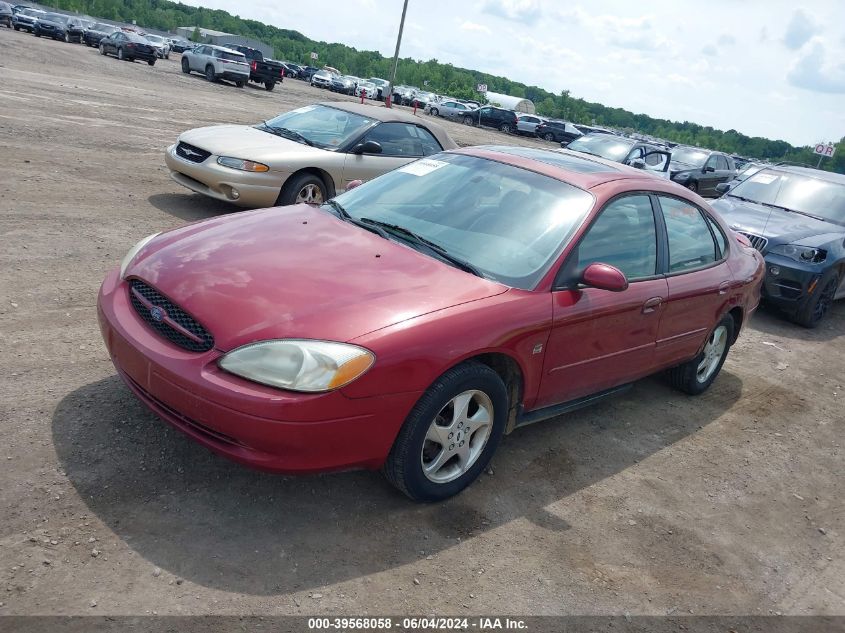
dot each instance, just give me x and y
(604, 277)
(370, 147)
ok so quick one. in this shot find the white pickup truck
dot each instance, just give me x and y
(216, 62)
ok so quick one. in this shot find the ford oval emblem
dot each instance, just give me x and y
(157, 314)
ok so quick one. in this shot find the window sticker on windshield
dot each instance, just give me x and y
(422, 167)
(304, 109)
(764, 179)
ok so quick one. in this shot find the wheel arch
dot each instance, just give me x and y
(322, 174)
(738, 316)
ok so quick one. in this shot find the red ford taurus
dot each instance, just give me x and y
(409, 322)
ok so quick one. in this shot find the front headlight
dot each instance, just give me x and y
(805, 254)
(681, 176)
(243, 165)
(127, 259)
(299, 364)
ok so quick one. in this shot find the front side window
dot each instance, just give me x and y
(509, 223)
(624, 236)
(397, 139)
(691, 244)
(712, 163)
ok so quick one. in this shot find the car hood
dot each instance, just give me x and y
(247, 142)
(53, 23)
(301, 272)
(776, 225)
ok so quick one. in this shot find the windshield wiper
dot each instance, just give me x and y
(419, 239)
(733, 195)
(809, 215)
(343, 214)
(287, 133)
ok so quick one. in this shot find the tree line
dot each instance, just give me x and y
(442, 78)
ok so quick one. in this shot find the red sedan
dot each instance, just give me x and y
(411, 321)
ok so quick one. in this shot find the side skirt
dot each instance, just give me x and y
(546, 413)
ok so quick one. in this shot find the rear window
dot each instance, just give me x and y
(232, 57)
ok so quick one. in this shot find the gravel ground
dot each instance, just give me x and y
(651, 503)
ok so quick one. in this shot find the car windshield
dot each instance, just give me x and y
(32, 12)
(689, 156)
(749, 171)
(508, 223)
(155, 38)
(795, 192)
(603, 145)
(55, 17)
(320, 125)
(379, 82)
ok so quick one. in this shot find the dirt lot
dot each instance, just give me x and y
(651, 503)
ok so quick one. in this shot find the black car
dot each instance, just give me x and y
(129, 46)
(795, 216)
(94, 33)
(491, 116)
(25, 19)
(180, 46)
(343, 84)
(292, 70)
(627, 151)
(558, 131)
(59, 27)
(308, 72)
(700, 170)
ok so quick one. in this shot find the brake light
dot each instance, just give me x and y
(255, 65)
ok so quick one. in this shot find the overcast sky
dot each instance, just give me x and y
(762, 67)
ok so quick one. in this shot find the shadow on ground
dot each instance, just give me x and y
(224, 526)
(774, 322)
(191, 206)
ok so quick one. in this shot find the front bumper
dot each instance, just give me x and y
(786, 284)
(268, 429)
(255, 190)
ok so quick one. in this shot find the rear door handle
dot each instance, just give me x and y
(724, 287)
(652, 304)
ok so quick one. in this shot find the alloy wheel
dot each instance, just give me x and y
(457, 436)
(714, 349)
(309, 194)
(825, 300)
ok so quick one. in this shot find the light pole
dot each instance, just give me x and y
(396, 54)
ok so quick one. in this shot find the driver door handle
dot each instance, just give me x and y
(652, 304)
(724, 287)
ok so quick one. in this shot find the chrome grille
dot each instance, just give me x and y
(757, 241)
(191, 152)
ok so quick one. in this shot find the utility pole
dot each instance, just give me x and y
(396, 54)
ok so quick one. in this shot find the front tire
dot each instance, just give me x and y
(305, 188)
(120, 54)
(695, 377)
(67, 38)
(102, 50)
(151, 62)
(817, 306)
(450, 435)
(692, 185)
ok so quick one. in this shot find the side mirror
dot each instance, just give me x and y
(370, 147)
(353, 184)
(723, 187)
(604, 277)
(639, 163)
(708, 168)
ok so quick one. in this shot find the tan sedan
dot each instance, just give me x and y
(306, 155)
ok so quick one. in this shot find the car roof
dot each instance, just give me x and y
(223, 48)
(829, 176)
(391, 114)
(574, 168)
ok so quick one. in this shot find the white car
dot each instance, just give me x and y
(322, 79)
(216, 62)
(367, 88)
(162, 45)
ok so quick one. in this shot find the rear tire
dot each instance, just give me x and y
(240, 84)
(269, 85)
(186, 66)
(695, 376)
(67, 38)
(434, 112)
(120, 54)
(817, 306)
(548, 136)
(506, 128)
(151, 62)
(209, 73)
(467, 120)
(434, 456)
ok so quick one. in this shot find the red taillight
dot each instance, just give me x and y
(255, 65)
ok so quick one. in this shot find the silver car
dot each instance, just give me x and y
(217, 63)
(527, 123)
(162, 45)
(322, 79)
(449, 109)
(306, 155)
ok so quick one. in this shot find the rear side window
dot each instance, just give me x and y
(624, 236)
(721, 240)
(691, 244)
(721, 163)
